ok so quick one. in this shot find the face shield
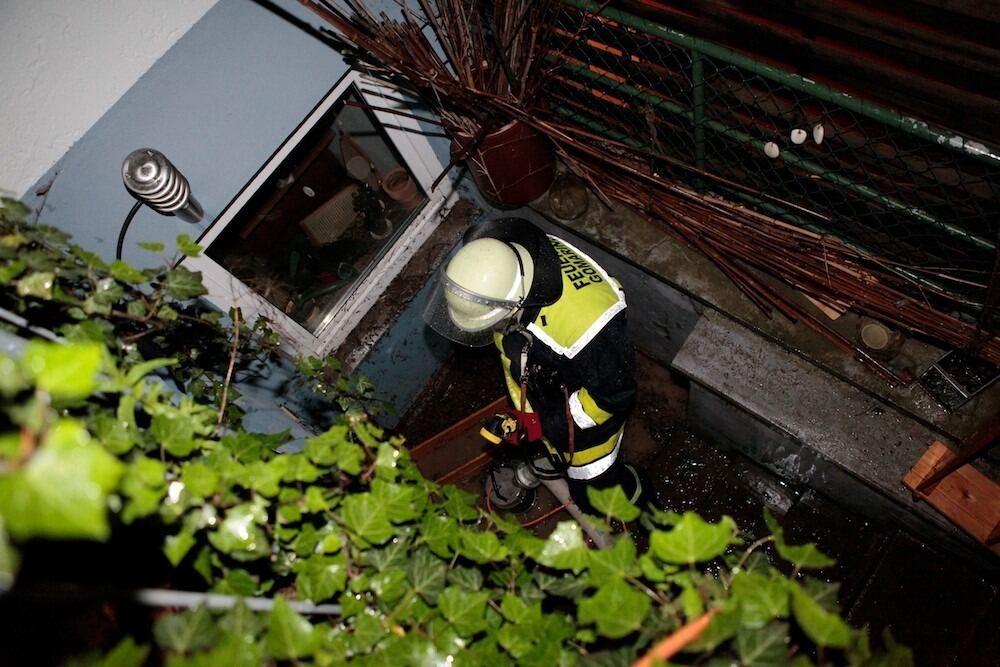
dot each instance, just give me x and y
(478, 291)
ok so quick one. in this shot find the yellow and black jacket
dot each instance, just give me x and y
(578, 359)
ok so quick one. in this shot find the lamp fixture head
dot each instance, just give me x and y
(152, 179)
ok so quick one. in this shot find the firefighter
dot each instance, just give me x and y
(558, 321)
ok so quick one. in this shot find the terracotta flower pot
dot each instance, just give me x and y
(512, 166)
(400, 188)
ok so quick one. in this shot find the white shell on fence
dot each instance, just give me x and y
(818, 133)
(798, 135)
(771, 149)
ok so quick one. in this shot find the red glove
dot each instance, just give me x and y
(530, 424)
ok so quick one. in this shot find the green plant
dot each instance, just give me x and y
(93, 445)
(367, 206)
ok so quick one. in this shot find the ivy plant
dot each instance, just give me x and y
(99, 437)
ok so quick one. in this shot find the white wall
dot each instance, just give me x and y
(64, 63)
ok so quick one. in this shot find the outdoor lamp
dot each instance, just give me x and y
(151, 178)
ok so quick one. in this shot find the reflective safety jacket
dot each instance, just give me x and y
(580, 364)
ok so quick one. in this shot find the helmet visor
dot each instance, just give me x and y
(462, 315)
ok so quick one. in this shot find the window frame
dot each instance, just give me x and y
(227, 291)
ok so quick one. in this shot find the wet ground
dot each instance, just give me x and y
(947, 611)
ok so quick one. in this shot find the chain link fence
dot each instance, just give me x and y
(925, 201)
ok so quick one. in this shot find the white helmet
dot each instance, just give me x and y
(484, 283)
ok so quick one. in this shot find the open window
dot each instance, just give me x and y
(327, 220)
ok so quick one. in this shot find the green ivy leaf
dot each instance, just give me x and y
(89, 258)
(388, 586)
(305, 541)
(693, 540)
(465, 611)
(265, 477)
(136, 309)
(186, 631)
(11, 270)
(691, 601)
(167, 314)
(183, 284)
(62, 491)
(805, 556)
(13, 210)
(764, 647)
(426, 573)
(481, 547)
(617, 561)
(823, 627)
(400, 500)
(760, 598)
(107, 292)
(617, 609)
(118, 437)
(459, 504)
(518, 640)
(242, 624)
(300, 470)
(386, 461)
(126, 273)
(722, 628)
(177, 546)
(38, 284)
(199, 479)
(249, 447)
(239, 535)
(333, 448)
(174, 430)
(564, 549)
(469, 578)
(152, 246)
(321, 577)
(9, 559)
(367, 632)
(651, 569)
(127, 654)
(613, 503)
(289, 635)
(439, 533)
(64, 371)
(315, 500)
(366, 517)
(329, 541)
(188, 246)
(565, 586)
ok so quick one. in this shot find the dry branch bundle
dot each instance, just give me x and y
(490, 66)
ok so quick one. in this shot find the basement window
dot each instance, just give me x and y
(327, 214)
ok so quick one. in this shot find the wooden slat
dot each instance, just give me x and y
(436, 442)
(967, 497)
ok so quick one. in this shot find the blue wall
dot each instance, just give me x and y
(217, 104)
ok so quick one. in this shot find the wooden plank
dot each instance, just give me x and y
(467, 469)
(985, 437)
(441, 439)
(967, 497)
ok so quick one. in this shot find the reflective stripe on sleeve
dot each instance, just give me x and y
(590, 413)
(580, 416)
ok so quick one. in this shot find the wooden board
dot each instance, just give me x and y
(458, 453)
(967, 497)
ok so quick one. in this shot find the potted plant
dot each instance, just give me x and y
(370, 211)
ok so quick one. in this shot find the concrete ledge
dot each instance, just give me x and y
(751, 396)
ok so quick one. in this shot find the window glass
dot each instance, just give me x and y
(324, 217)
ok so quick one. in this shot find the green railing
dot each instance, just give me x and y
(925, 200)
